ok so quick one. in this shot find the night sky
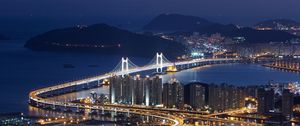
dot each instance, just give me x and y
(139, 12)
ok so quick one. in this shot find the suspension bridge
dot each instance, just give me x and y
(124, 67)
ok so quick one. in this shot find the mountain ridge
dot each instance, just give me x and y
(230, 30)
(275, 22)
(176, 22)
(104, 39)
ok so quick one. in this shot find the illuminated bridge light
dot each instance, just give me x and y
(159, 62)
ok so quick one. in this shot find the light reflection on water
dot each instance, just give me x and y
(41, 113)
(80, 94)
(37, 112)
(237, 74)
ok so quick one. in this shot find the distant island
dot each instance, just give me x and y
(104, 39)
(187, 25)
(107, 39)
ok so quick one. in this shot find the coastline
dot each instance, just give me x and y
(281, 68)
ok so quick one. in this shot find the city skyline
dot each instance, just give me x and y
(133, 62)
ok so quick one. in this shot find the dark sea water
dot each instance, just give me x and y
(236, 74)
(23, 70)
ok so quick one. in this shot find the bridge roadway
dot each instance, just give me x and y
(197, 115)
(34, 95)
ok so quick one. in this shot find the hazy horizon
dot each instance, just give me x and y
(46, 15)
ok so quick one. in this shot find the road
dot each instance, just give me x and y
(162, 113)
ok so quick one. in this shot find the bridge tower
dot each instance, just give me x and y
(159, 62)
(124, 69)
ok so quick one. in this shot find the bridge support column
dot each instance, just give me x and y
(159, 62)
(147, 119)
(128, 114)
(53, 107)
(99, 83)
(77, 109)
(124, 66)
(102, 110)
(88, 85)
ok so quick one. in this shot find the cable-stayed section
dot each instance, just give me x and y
(123, 67)
(131, 65)
(165, 60)
(117, 68)
(152, 62)
(158, 61)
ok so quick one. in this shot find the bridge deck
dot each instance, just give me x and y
(34, 95)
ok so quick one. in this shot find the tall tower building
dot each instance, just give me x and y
(173, 94)
(156, 91)
(115, 89)
(153, 91)
(228, 97)
(216, 92)
(147, 87)
(127, 90)
(287, 103)
(135, 90)
(121, 89)
(194, 95)
(265, 99)
(139, 90)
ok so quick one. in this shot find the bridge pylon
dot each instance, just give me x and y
(124, 67)
(159, 62)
